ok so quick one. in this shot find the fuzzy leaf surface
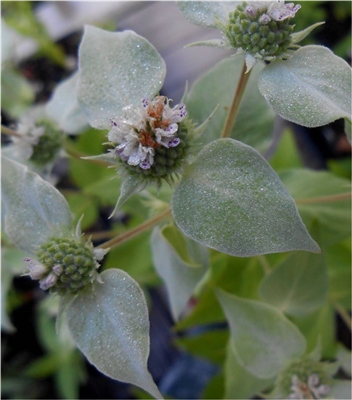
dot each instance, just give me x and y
(261, 337)
(34, 209)
(180, 276)
(298, 286)
(63, 107)
(117, 69)
(110, 325)
(255, 121)
(204, 13)
(230, 199)
(312, 88)
(240, 383)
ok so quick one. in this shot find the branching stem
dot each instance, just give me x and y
(135, 231)
(231, 116)
(9, 132)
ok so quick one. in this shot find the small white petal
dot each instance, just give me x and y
(48, 282)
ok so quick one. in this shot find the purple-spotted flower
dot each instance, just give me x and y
(65, 264)
(141, 131)
(312, 389)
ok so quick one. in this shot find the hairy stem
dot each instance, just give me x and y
(325, 199)
(231, 116)
(135, 231)
(9, 132)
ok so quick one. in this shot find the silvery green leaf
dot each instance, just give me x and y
(108, 158)
(255, 121)
(240, 383)
(230, 199)
(262, 338)
(180, 272)
(116, 69)
(341, 389)
(34, 209)
(210, 43)
(312, 88)
(129, 186)
(298, 286)
(63, 107)
(207, 13)
(299, 36)
(110, 326)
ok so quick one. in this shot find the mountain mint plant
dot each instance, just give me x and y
(260, 243)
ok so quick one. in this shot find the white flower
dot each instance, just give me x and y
(141, 130)
(30, 135)
(309, 390)
(274, 10)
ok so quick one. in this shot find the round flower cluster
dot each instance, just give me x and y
(261, 28)
(303, 377)
(40, 141)
(48, 145)
(64, 265)
(152, 139)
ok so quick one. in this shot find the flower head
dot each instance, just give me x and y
(260, 29)
(65, 264)
(39, 140)
(312, 389)
(150, 139)
(304, 378)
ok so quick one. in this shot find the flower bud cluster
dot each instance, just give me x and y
(302, 378)
(48, 144)
(261, 29)
(39, 140)
(151, 140)
(64, 265)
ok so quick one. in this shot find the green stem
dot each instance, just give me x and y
(345, 316)
(325, 199)
(264, 263)
(135, 231)
(9, 132)
(231, 116)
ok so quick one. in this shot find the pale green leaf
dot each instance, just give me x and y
(111, 327)
(210, 43)
(63, 107)
(298, 286)
(261, 337)
(34, 209)
(338, 259)
(341, 389)
(181, 276)
(129, 186)
(231, 200)
(255, 121)
(312, 88)
(17, 94)
(207, 13)
(323, 197)
(296, 37)
(239, 383)
(116, 69)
